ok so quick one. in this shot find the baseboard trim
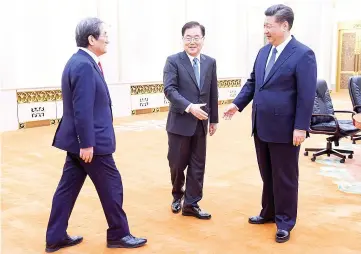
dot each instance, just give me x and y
(40, 123)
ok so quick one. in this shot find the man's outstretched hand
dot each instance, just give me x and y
(230, 111)
(198, 112)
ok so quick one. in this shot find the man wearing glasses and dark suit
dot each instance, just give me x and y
(190, 84)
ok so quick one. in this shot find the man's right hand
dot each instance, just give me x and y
(230, 111)
(198, 112)
(86, 154)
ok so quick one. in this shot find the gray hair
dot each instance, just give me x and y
(86, 27)
(282, 13)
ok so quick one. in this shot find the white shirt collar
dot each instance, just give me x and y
(282, 46)
(192, 57)
(96, 59)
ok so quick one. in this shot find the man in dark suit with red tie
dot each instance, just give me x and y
(190, 84)
(283, 87)
(86, 133)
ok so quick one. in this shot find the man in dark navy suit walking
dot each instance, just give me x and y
(86, 133)
(283, 87)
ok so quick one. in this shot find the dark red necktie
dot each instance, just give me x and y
(101, 68)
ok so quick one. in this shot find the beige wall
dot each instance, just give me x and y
(143, 34)
(40, 39)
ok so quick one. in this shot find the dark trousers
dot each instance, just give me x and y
(278, 165)
(188, 152)
(108, 183)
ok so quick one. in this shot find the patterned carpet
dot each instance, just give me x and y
(329, 196)
(347, 176)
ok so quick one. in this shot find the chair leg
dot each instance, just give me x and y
(355, 138)
(313, 149)
(328, 151)
(322, 152)
(338, 154)
(344, 151)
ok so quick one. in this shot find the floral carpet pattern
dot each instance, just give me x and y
(347, 176)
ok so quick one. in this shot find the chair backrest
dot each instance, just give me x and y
(322, 103)
(354, 88)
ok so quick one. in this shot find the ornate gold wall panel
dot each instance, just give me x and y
(146, 89)
(158, 88)
(349, 50)
(229, 83)
(54, 95)
(344, 78)
(39, 96)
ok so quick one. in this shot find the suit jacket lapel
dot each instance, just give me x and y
(105, 85)
(188, 65)
(96, 66)
(286, 53)
(204, 67)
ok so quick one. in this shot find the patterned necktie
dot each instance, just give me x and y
(196, 71)
(270, 63)
(101, 68)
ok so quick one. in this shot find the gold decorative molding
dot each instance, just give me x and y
(55, 95)
(38, 96)
(146, 89)
(138, 89)
(226, 83)
(149, 110)
(158, 87)
(54, 121)
(40, 123)
(222, 102)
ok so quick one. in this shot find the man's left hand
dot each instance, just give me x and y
(298, 137)
(212, 128)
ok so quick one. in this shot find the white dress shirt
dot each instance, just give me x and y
(96, 59)
(191, 58)
(279, 48)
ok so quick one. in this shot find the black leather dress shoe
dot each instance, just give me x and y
(259, 220)
(176, 205)
(196, 212)
(128, 241)
(67, 242)
(282, 236)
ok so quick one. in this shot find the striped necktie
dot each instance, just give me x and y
(270, 63)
